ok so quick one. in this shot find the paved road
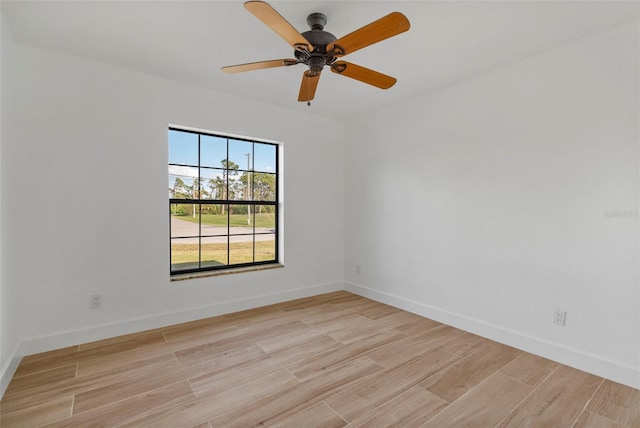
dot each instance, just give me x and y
(186, 228)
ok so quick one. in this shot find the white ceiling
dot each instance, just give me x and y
(188, 41)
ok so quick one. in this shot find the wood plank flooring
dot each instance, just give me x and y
(335, 360)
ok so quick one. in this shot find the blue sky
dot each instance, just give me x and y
(183, 150)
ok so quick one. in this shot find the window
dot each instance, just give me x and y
(223, 201)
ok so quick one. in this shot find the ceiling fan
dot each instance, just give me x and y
(317, 48)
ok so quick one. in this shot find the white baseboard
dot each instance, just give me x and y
(9, 368)
(63, 339)
(74, 337)
(588, 362)
(624, 374)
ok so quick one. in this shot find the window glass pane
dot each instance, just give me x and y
(181, 182)
(264, 186)
(214, 251)
(239, 152)
(265, 247)
(214, 220)
(183, 147)
(240, 249)
(265, 218)
(238, 189)
(247, 183)
(185, 219)
(240, 219)
(233, 173)
(264, 157)
(184, 254)
(213, 151)
(213, 184)
(231, 176)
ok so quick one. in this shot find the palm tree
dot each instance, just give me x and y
(179, 191)
(230, 168)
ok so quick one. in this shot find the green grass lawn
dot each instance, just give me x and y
(185, 256)
(263, 220)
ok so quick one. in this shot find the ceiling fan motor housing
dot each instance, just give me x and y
(319, 38)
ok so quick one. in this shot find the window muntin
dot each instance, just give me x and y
(223, 195)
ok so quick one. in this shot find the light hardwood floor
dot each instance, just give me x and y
(328, 361)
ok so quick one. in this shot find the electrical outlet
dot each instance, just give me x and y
(559, 317)
(358, 269)
(96, 301)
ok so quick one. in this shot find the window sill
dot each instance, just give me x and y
(230, 271)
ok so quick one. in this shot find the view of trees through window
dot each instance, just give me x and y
(222, 201)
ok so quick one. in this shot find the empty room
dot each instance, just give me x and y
(320, 214)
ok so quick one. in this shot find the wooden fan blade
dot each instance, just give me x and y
(308, 86)
(259, 65)
(385, 27)
(363, 74)
(272, 19)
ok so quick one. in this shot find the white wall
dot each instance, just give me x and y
(9, 300)
(3, 357)
(87, 200)
(485, 204)
(482, 205)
